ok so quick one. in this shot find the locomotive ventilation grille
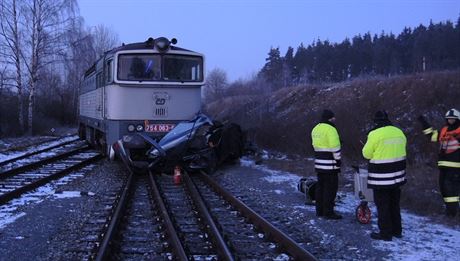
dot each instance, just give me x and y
(161, 112)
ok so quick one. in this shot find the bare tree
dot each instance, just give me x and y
(79, 57)
(104, 39)
(11, 47)
(47, 21)
(2, 86)
(216, 83)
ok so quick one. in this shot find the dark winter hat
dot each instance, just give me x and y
(381, 116)
(327, 115)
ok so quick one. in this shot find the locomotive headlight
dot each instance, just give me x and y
(131, 128)
(162, 44)
(139, 127)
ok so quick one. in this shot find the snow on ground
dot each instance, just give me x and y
(7, 156)
(10, 211)
(422, 239)
(67, 194)
(275, 175)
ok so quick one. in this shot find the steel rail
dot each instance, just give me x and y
(104, 248)
(36, 152)
(177, 247)
(296, 251)
(19, 191)
(28, 166)
(222, 248)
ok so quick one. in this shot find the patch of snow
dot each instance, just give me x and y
(4, 157)
(423, 240)
(245, 162)
(275, 176)
(7, 218)
(279, 192)
(265, 155)
(67, 194)
(300, 207)
(282, 257)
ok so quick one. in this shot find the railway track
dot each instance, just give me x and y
(152, 218)
(38, 168)
(40, 148)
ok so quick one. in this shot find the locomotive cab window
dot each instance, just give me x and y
(139, 67)
(109, 71)
(182, 68)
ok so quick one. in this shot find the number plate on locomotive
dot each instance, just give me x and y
(159, 127)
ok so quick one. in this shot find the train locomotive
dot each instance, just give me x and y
(142, 102)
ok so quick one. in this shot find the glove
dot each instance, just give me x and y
(422, 120)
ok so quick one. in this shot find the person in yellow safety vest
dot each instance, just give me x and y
(326, 143)
(385, 149)
(448, 158)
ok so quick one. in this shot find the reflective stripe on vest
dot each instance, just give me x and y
(321, 161)
(428, 131)
(451, 164)
(326, 167)
(387, 160)
(451, 199)
(385, 182)
(386, 175)
(434, 136)
(328, 149)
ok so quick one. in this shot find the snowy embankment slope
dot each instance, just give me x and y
(422, 239)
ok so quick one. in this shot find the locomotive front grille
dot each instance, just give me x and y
(161, 112)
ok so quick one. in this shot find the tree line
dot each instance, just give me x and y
(419, 49)
(44, 50)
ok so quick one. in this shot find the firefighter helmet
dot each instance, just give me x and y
(453, 114)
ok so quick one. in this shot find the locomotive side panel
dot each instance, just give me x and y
(91, 104)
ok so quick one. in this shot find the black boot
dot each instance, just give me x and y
(333, 216)
(379, 236)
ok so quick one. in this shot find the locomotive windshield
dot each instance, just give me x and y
(182, 68)
(139, 67)
(156, 67)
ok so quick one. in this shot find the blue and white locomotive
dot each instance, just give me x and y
(137, 94)
(140, 87)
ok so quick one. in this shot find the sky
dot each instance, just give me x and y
(236, 35)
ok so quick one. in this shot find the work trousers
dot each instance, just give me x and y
(326, 190)
(388, 211)
(449, 184)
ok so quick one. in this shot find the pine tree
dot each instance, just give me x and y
(272, 71)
